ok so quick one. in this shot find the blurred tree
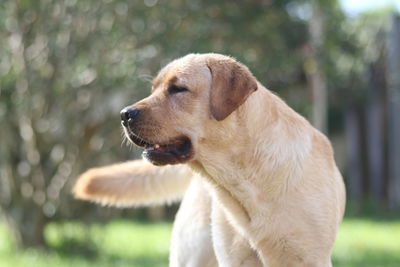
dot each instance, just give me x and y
(393, 61)
(315, 72)
(366, 107)
(49, 74)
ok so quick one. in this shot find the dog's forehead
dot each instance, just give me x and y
(189, 70)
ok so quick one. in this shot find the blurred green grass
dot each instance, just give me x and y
(116, 243)
(362, 242)
(368, 242)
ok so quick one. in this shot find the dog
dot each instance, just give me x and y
(262, 187)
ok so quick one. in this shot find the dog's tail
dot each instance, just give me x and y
(133, 183)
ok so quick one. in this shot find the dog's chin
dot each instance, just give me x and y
(175, 151)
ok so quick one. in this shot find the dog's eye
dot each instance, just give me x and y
(173, 89)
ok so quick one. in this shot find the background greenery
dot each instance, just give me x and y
(369, 242)
(67, 67)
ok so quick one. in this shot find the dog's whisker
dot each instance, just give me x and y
(146, 78)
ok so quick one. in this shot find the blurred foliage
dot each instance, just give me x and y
(67, 67)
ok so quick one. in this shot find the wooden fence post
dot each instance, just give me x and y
(353, 151)
(374, 131)
(316, 75)
(393, 74)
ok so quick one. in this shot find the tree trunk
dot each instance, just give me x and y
(354, 164)
(374, 127)
(27, 226)
(393, 67)
(315, 75)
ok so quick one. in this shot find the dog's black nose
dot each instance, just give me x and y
(128, 114)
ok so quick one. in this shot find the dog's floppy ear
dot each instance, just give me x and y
(232, 83)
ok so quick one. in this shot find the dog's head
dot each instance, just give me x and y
(190, 97)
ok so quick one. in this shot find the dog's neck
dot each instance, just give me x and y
(262, 138)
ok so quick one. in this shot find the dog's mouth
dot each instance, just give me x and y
(177, 150)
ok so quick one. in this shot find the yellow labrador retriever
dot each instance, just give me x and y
(263, 188)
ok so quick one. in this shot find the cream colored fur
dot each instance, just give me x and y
(266, 179)
(133, 183)
(139, 183)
